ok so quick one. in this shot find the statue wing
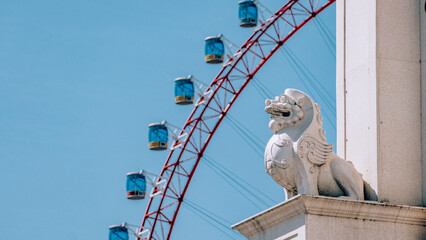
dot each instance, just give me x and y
(313, 150)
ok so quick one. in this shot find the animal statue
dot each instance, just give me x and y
(298, 157)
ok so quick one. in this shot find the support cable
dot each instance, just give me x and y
(235, 177)
(332, 36)
(260, 142)
(258, 148)
(261, 93)
(232, 183)
(318, 87)
(326, 39)
(263, 86)
(207, 211)
(210, 220)
(308, 87)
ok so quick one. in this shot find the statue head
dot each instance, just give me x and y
(285, 111)
(293, 112)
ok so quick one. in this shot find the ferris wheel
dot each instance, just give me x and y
(211, 104)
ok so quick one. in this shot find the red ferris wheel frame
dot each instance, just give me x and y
(207, 115)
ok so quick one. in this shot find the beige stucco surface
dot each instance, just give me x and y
(379, 95)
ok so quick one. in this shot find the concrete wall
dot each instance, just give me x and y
(322, 227)
(399, 94)
(356, 48)
(423, 76)
(340, 79)
(379, 95)
(294, 226)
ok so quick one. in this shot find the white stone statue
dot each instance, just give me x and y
(298, 157)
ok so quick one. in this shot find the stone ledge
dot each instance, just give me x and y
(332, 207)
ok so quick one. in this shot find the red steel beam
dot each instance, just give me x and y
(195, 120)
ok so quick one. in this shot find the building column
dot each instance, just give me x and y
(423, 83)
(379, 95)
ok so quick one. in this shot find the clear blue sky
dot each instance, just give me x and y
(81, 80)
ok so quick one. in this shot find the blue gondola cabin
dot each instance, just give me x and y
(247, 13)
(136, 186)
(184, 91)
(118, 232)
(158, 136)
(214, 50)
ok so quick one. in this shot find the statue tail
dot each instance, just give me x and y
(369, 193)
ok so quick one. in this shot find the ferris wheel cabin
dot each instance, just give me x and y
(118, 232)
(184, 91)
(247, 12)
(136, 186)
(214, 50)
(158, 136)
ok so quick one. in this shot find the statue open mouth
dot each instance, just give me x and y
(278, 112)
(285, 111)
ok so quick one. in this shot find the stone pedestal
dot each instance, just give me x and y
(316, 218)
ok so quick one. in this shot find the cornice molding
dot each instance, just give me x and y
(331, 207)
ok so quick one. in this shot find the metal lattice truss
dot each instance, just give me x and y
(209, 111)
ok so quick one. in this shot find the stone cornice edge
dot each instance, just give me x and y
(332, 207)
